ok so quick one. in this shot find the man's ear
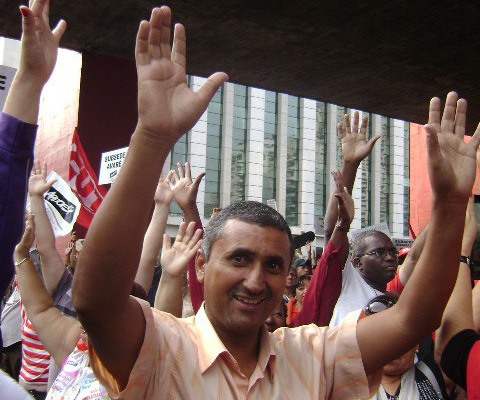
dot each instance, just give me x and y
(356, 262)
(200, 264)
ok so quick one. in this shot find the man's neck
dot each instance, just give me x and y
(376, 286)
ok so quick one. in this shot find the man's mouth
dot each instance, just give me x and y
(248, 300)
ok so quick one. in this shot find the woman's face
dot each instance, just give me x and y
(291, 277)
(300, 291)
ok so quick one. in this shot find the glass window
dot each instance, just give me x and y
(270, 147)
(406, 179)
(320, 162)
(179, 155)
(366, 173)
(385, 171)
(293, 135)
(214, 153)
(341, 111)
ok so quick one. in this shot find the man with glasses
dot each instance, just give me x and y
(371, 272)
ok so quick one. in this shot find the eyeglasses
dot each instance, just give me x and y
(379, 303)
(381, 253)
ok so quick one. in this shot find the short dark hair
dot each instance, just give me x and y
(299, 281)
(358, 244)
(251, 212)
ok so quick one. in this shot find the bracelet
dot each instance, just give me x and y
(21, 262)
(342, 228)
(465, 260)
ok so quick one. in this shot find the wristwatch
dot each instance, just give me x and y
(465, 260)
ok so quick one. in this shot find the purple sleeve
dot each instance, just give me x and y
(17, 140)
(324, 289)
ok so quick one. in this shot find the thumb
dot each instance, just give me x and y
(59, 30)
(211, 85)
(198, 179)
(341, 202)
(49, 184)
(372, 141)
(166, 245)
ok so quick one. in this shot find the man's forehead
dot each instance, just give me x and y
(378, 240)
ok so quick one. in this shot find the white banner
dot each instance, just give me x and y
(110, 165)
(400, 243)
(62, 206)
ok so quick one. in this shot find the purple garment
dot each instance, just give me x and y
(17, 140)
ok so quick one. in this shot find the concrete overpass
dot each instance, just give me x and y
(385, 57)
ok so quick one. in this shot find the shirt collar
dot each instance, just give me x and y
(210, 347)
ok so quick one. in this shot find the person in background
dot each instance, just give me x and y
(295, 304)
(290, 281)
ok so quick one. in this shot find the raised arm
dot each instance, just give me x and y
(174, 263)
(167, 109)
(152, 242)
(476, 307)
(406, 269)
(39, 47)
(458, 314)
(355, 148)
(57, 332)
(451, 163)
(52, 264)
(324, 289)
(185, 192)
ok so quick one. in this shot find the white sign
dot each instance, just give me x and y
(383, 227)
(400, 243)
(272, 203)
(62, 206)
(110, 166)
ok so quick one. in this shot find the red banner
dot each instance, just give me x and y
(84, 183)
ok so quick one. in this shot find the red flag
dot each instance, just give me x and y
(84, 183)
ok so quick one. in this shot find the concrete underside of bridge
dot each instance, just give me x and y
(384, 57)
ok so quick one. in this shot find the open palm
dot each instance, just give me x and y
(37, 184)
(162, 80)
(355, 146)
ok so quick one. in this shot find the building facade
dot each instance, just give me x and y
(253, 144)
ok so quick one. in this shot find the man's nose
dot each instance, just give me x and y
(255, 280)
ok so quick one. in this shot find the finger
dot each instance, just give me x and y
(434, 113)
(166, 245)
(363, 128)
(181, 173)
(175, 177)
(196, 238)
(197, 181)
(49, 184)
(181, 232)
(28, 21)
(355, 121)
(37, 7)
(189, 232)
(155, 34)
(448, 118)
(341, 203)
(210, 87)
(341, 131)
(141, 45)
(165, 32)
(372, 142)
(188, 171)
(44, 170)
(346, 120)
(460, 118)
(179, 51)
(59, 30)
(433, 147)
(46, 13)
(195, 248)
(476, 138)
(169, 176)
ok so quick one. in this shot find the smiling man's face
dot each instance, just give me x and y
(244, 277)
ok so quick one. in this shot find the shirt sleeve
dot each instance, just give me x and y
(395, 285)
(195, 287)
(17, 140)
(324, 289)
(455, 356)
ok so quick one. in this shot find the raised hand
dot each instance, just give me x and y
(163, 194)
(37, 184)
(175, 258)
(346, 206)
(451, 161)
(355, 147)
(39, 42)
(167, 107)
(22, 250)
(183, 189)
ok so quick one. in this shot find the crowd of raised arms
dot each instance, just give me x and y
(238, 312)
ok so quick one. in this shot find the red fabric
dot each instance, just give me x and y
(195, 287)
(84, 183)
(395, 285)
(323, 291)
(473, 373)
(292, 311)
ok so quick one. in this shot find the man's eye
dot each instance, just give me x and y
(239, 259)
(274, 265)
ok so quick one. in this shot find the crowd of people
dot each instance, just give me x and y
(238, 312)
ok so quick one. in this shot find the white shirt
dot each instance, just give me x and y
(12, 320)
(354, 295)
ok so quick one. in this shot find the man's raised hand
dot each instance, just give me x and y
(174, 259)
(39, 42)
(451, 161)
(163, 194)
(183, 188)
(346, 206)
(167, 107)
(37, 184)
(355, 147)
